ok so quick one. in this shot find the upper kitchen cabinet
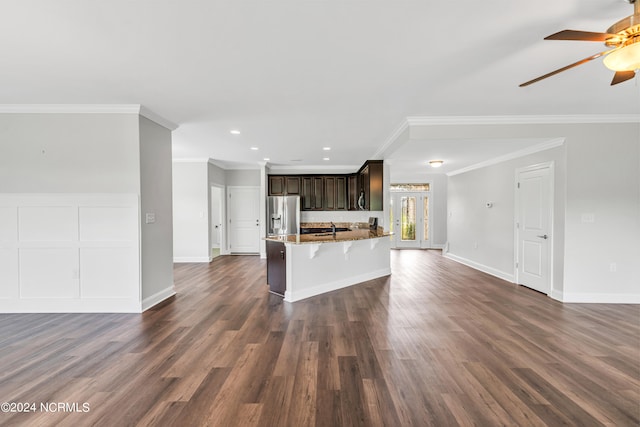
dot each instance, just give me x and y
(312, 193)
(284, 185)
(370, 180)
(333, 192)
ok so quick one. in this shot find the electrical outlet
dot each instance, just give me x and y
(150, 218)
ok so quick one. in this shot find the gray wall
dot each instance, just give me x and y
(155, 183)
(243, 177)
(191, 207)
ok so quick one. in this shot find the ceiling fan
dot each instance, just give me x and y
(623, 37)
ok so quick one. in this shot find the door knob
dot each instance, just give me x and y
(544, 236)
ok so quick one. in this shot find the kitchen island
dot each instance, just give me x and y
(302, 266)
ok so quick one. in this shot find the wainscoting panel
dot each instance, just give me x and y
(49, 273)
(100, 279)
(69, 253)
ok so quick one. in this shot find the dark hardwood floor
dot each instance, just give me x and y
(435, 344)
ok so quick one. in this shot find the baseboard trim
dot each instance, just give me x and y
(157, 298)
(481, 267)
(335, 285)
(68, 305)
(185, 259)
(591, 298)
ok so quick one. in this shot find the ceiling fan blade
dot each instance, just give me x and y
(622, 76)
(585, 36)
(575, 64)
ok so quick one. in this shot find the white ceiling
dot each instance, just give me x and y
(294, 76)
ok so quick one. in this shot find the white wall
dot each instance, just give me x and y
(69, 153)
(155, 190)
(485, 237)
(73, 186)
(598, 173)
(603, 179)
(191, 218)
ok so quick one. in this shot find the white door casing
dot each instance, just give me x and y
(534, 222)
(244, 219)
(419, 201)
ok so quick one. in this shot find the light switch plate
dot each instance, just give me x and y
(588, 218)
(150, 218)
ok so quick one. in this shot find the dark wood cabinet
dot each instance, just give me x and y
(353, 190)
(341, 193)
(333, 192)
(370, 179)
(284, 185)
(312, 193)
(306, 196)
(276, 267)
(317, 193)
(329, 193)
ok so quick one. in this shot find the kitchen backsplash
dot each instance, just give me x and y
(341, 216)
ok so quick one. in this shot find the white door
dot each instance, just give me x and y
(244, 219)
(410, 219)
(533, 227)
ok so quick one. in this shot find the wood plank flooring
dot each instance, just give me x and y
(434, 344)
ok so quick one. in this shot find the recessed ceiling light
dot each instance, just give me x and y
(326, 158)
(234, 132)
(326, 148)
(255, 148)
(266, 159)
(436, 163)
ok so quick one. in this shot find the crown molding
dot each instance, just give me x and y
(547, 145)
(145, 112)
(193, 160)
(391, 139)
(87, 109)
(314, 167)
(521, 120)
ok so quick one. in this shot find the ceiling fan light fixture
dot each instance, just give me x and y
(436, 163)
(626, 58)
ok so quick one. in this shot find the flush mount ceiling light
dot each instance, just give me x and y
(436, 163)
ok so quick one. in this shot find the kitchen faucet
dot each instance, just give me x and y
(333, 229)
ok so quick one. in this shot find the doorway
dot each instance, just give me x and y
(244, 220)
(410, 219)
(534, 225)
(217, 220)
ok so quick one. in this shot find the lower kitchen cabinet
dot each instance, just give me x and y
(276, 267)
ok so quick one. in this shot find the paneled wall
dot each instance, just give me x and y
(69, 252)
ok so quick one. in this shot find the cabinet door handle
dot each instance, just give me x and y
(282, 254)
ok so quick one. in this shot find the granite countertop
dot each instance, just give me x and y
(341, 236)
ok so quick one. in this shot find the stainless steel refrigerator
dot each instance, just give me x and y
(283, 215)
